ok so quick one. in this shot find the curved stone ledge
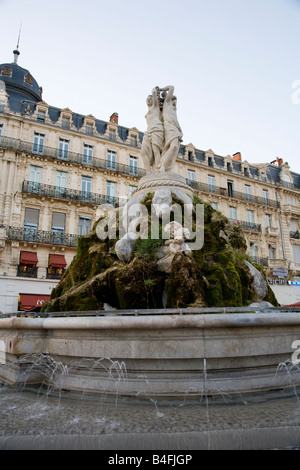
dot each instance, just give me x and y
(166, 355)
(155, 321)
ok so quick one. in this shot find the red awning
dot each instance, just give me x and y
(31, 301)
(29, 257)
(57, 261)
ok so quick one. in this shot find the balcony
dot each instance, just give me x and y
(272, 231)
(30, 234)
(71, 157)
(232, 194)
(74, 195)
(249, 226)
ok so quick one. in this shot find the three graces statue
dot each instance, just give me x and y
(163, 136)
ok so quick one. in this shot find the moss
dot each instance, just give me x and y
(214, 276)
(131, 288)
(183, 286)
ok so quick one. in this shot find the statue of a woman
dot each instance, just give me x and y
(153, 141)
(172, 130)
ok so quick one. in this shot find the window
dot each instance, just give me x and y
(112, 134)
(89, 129)
(111, 160)
(191, 176)
(86, 187)
(272, 252)
(31, 223)
(250, 217)
(210, 161)
(211, 184)
(84, 225)
(65, 123)
(35, 178)
(214, 205)
(133, 165)
(41, 116)
(248, 192)
(268, 220)
(253, 250)
(265, 196)
(63, 149)
(296, 253)
(61, 183)
(58, 228)
(131, 189)
(294, 225)
(38, 143)
(190, 156)
(87, 153)
(263, 177)
(111, 192)
(133, 140)
(232, 213)
(230, 188)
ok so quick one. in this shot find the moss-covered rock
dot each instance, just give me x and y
(215, 276)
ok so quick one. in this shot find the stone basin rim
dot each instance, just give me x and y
(119, 321)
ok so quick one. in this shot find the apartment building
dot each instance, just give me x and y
(59, 169)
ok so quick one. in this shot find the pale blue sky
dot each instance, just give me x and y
(232, 62)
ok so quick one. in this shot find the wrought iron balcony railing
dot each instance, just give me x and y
(66, 155)
(212, 189)
(75, 195)
(251, 226)
(30, 234)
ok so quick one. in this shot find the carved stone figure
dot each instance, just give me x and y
(172, 130)
(163, 136)
(153, 141)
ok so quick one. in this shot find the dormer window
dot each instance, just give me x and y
(89, 129)
(6, 71)
(65, 123)
(41, 116)
(28, 79)
(133, 140)
(112, 134)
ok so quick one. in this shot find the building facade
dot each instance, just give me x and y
(58, 168)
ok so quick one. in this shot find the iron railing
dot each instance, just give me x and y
(231, 193)
(30, 234)
(250, 226)
(72, 157)
(75, 195)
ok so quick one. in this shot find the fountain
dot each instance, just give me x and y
(160, 335)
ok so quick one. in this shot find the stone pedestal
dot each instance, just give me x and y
(163, 180)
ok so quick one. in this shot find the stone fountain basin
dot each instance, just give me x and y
(153, 353)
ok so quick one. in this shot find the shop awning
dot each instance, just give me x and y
(32, 301)
(57, 261)
(29, 257)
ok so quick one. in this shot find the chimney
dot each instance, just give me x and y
(237, 156)
(114, 118)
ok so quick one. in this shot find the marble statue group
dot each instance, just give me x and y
(163, 136)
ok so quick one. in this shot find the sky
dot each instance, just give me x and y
(235, 65)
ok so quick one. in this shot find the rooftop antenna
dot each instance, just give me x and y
(16, 51)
